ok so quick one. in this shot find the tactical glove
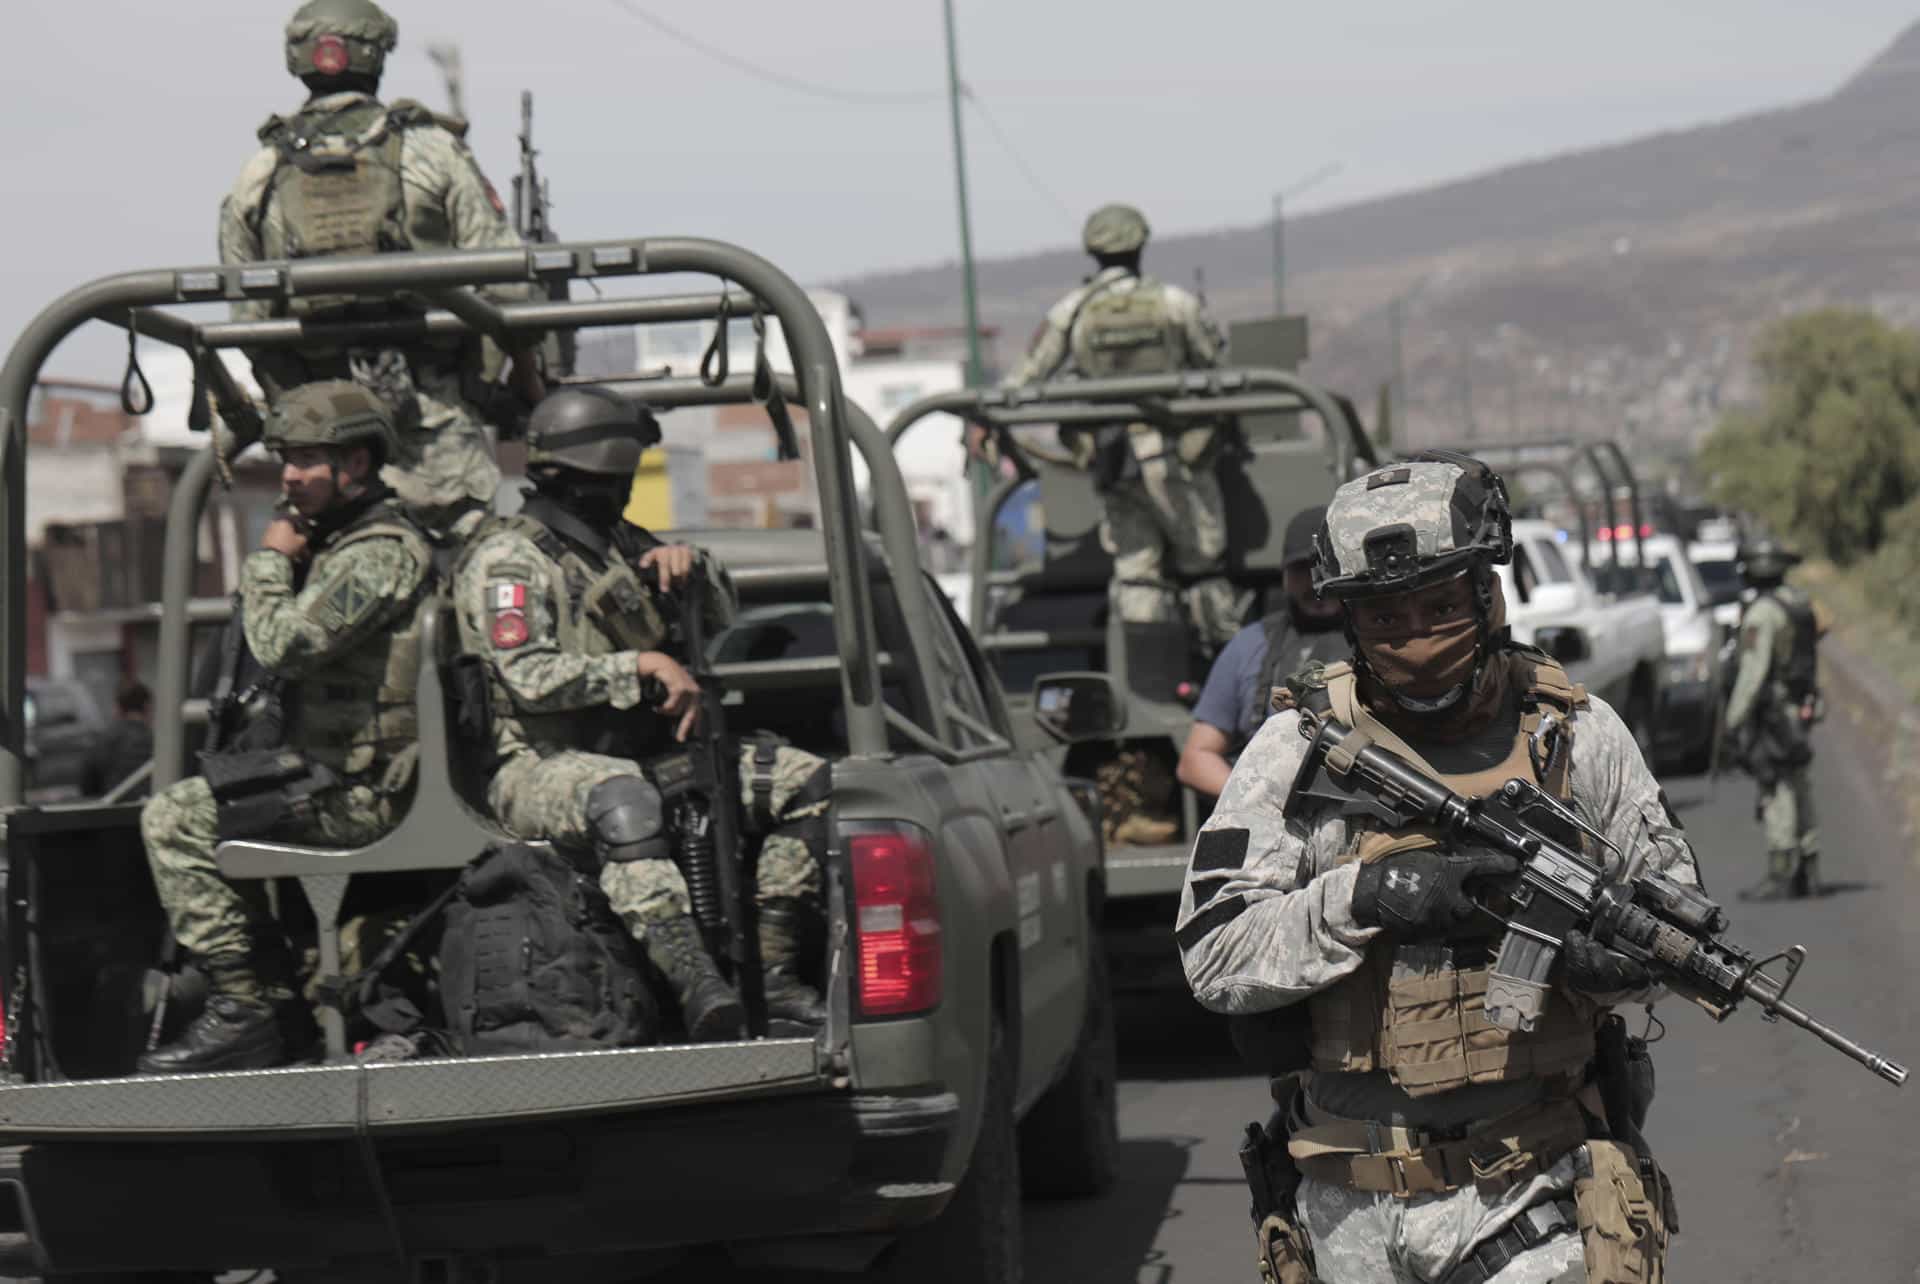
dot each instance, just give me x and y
(1592, 968)
(1423, 892)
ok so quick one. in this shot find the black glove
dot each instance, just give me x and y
(1423, 892)
(1592, 968)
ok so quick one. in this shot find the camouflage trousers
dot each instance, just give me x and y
(209, 915)
(1786, 812)
(537, 796)
(1165, 526)
(1361, 1237)
(446, 462)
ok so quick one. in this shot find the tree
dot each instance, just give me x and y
(1834, 446)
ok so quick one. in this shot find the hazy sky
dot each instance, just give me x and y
(127, 122)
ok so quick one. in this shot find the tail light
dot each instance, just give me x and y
(897, 914)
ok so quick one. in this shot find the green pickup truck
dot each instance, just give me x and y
(969, 1054)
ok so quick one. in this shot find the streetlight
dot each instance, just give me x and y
(1280, 235)
(976, 372)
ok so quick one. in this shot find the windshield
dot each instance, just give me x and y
(1722, 578)
(1666, 583)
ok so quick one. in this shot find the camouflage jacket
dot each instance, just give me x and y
(1266, 915)
(1049, 354)
(1768, 637)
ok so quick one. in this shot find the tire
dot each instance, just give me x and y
(1070, 1140)
(976, 1238)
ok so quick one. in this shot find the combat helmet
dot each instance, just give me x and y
(589, 430)
(340, 37)
(1115, 229)
(333, 413)
(1412, 524)
(1766, 561)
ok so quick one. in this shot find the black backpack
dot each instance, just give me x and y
(533, 959)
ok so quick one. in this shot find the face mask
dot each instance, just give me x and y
(1426, 666)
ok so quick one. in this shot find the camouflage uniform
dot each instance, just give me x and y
(335, 640)
(1273, 925)
(1174, 508)
(541, 784)
(1768, 640)
(446, 463)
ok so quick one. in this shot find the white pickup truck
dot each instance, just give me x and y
(1611, 643)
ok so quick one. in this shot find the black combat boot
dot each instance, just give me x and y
(1778, 885)
(1806, 878)
(788, 926)
(239, 1029)
(709, 1007)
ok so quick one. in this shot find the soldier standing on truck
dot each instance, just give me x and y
(331, 604)
(1770, 717)
(1163, 501)
(1415, 1139)
(559, 601)
(347, 174)
(1239, 690)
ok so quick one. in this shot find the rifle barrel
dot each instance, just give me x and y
(1764, 992)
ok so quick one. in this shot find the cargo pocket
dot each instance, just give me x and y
(1621, 1227)
(1283, 1252)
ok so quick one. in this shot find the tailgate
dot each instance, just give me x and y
(352, 1099)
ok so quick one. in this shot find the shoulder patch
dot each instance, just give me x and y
(507, 599)
(1220, 849)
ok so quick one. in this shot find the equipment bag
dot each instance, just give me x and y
(533, 959)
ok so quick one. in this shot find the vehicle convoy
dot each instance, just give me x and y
(968, 1051)
(1054, 616)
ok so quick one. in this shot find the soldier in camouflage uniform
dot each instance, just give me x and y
(560, 601)
(1162, 497)
(347, 174)
(1776, 697)
(331, 605)
(1425, 1144)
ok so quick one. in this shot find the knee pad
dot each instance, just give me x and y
(623, 814)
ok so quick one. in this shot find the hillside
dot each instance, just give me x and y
(1611, 289)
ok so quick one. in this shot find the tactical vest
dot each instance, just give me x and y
(1125, 332)
(1283, 658)
(1797, 669)
(356, 715)
(604, 608)
(1416, 1011)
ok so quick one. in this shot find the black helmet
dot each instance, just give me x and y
(589, 430)
(1766, 561)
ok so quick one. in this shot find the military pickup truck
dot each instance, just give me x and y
(1050, 614)
(969, 1054)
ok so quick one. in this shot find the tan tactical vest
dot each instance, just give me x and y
(1407, 1010)
(603, 608)
(1125, 332)
(357, 714)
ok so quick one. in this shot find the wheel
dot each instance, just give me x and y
(1070, 1140)
(976, 1238)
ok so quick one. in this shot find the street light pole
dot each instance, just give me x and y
(976, 370)
(1280, 232)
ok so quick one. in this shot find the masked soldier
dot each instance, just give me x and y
(1770, 715)
(347, 174)
(1162, 498)
(562, 602)
(1417, 1141)
(331, 606)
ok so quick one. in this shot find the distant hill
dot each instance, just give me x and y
(1607, 290)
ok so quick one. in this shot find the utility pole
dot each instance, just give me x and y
(1399, 385)
(976, 369)
(1280, 232)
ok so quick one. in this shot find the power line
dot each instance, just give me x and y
(773, 77)
(1032, 176)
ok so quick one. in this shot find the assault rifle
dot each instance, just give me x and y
(699, 784)
(1668, 926)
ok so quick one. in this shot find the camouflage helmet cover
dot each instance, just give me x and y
(1115, 229)
(589, 430)
(334, 413)
(1412, 524)
(1766, 561)
(332, 37)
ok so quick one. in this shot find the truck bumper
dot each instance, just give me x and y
(1685, 725)
(625, 1151)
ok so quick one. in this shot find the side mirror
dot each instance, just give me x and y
(1072, 707)
(1554, 599)
(1565, 644)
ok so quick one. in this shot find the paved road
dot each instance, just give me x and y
(1791, 1163)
